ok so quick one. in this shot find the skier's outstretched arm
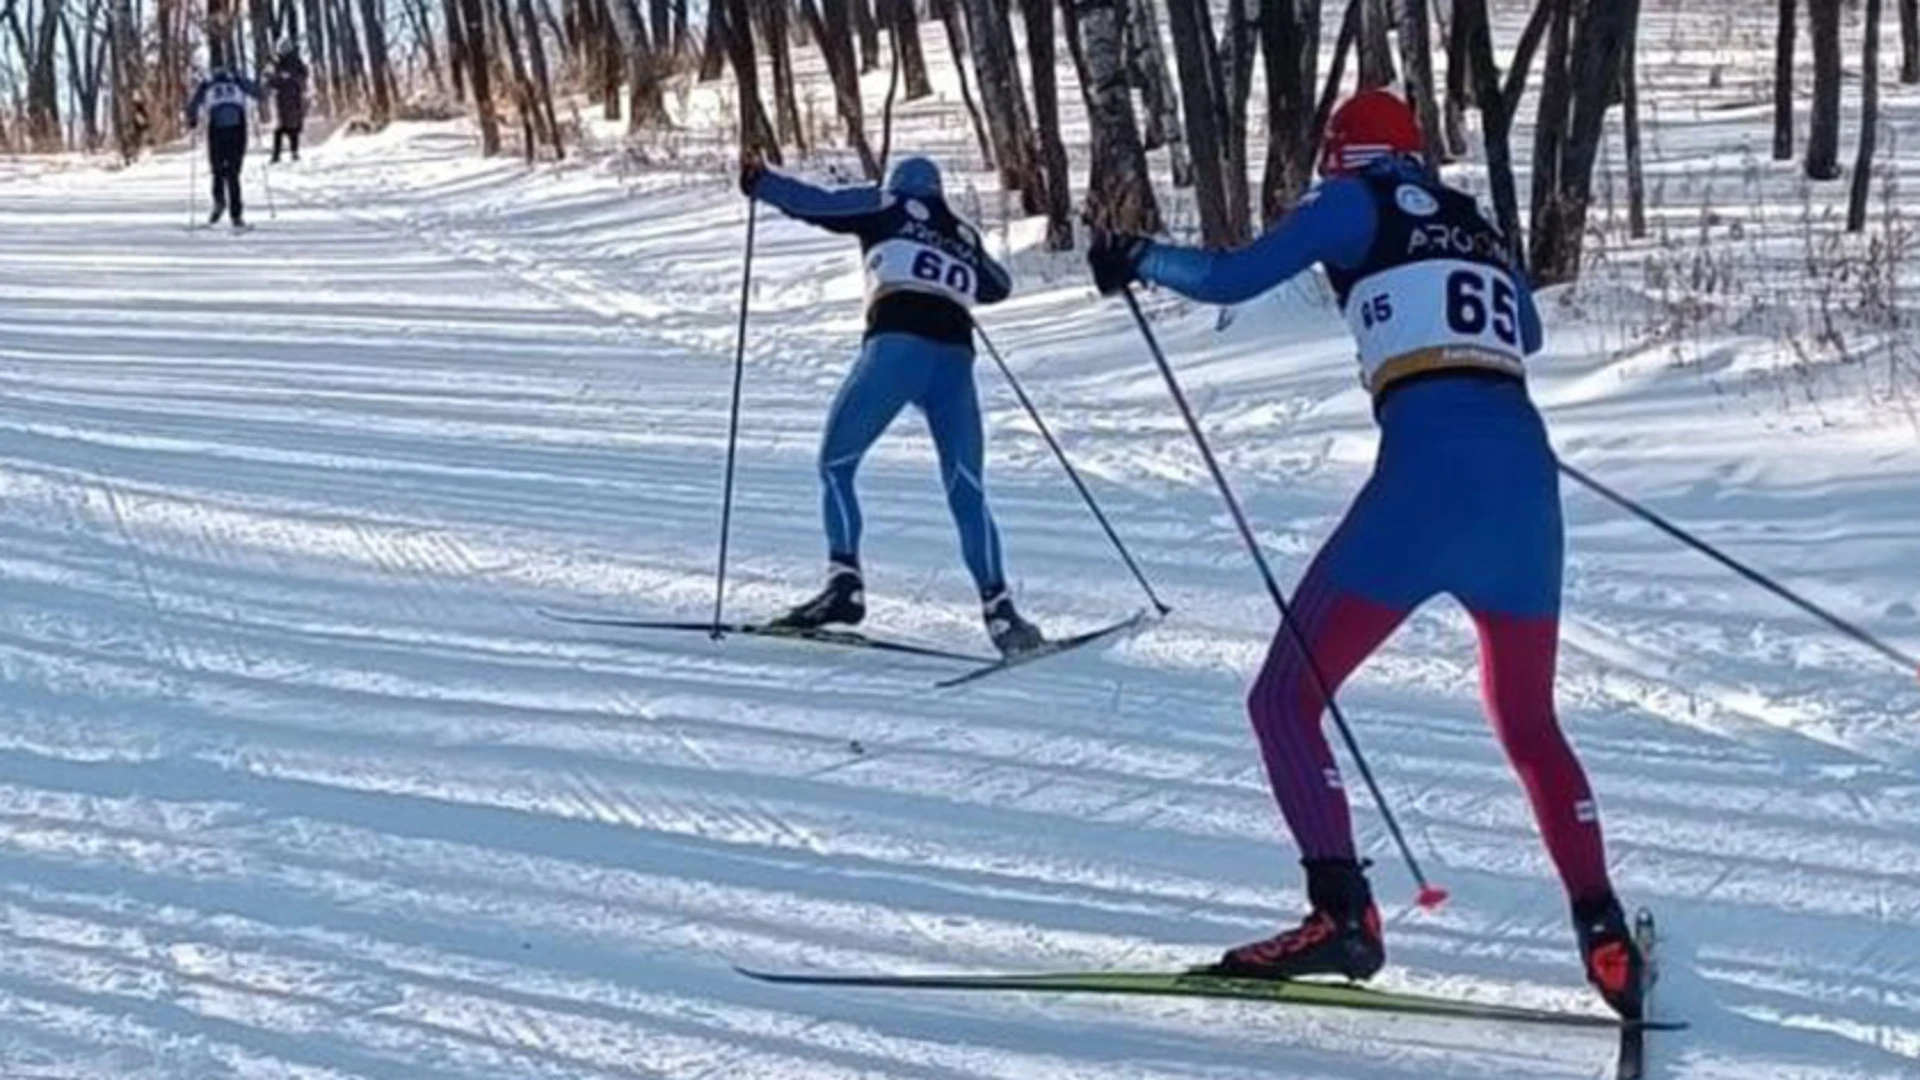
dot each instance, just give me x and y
(842, 210)
(1335, 224)
(194, 103)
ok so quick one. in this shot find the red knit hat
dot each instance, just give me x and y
(1367, 126)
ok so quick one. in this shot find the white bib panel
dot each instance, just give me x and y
(903, 265)
(225, 93)
(1438, 308)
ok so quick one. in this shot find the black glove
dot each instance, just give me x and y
(751, 170)
(1115, 260)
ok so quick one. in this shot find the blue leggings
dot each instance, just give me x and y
(896, 370)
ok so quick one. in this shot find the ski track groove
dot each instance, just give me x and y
(294, 784)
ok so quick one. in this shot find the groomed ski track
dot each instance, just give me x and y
(295, 783)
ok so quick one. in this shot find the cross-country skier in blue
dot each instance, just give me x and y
(224, 94)
(1464, 499)
(925, 268)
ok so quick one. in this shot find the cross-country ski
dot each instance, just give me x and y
(859, 540)
(1227, 988)
(851, 639)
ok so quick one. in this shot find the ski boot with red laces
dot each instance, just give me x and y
(1340, 936)
(1611, 956)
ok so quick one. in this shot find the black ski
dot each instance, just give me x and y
(843, 638)
(1050, 648)
(1633, 1039)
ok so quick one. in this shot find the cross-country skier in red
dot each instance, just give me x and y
(1464, 499)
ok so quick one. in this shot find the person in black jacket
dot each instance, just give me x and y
(289, 85)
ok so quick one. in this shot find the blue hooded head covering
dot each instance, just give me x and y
(915, 178)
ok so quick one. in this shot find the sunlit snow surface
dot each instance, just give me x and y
(294, 781)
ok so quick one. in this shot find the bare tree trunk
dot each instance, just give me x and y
(379, 67)
(1556, 97)
(456, 47)
(713, 53)
(1416, 53)
(1823, 134)
(904, 21)
(1910, 41)
(1290, 40)
(786, 103)
(679, 28)
(128, 77)
(319, 69)
(756, 131)
(1236, 83)
(474, 33)
(1343, 47)
(1202, 97)
(949, 13)
(1120, 194)
(530, 119)
(1156, 94)
(542, 84)
(353, 62)
(1471, 26)
(661, 30)
(834, 33)
(1869, 120)
(1004, 100)
(868, 31)
(1149, 72)
(1636, 169)
(1046, 107)
(1459, 87)
(1783, 44)
(43, 82)
(1376, 45)
(1559, 230)
(260, 14)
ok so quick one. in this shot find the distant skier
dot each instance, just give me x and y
(925, 269)
(224, 94)
(1464, 499)
(288, 82)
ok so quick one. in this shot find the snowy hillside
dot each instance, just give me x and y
(296, 783)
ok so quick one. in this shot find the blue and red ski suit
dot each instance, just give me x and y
(1464, 498)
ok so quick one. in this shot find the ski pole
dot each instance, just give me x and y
(266, 183)
(1430, 895)
(1745, 571)
(733, 425)
(1073, 474)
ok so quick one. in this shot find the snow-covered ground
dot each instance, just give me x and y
(294, 781)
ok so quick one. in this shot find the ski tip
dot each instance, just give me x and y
(1431, 897)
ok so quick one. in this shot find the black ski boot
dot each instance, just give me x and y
(1011, 634)
(843, 601)
(1340, 936)
(1610, 954)
(219, 211)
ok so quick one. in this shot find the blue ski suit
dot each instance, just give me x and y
(1464, 498)
(925, 267)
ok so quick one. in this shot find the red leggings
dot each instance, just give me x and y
(1517, 658)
